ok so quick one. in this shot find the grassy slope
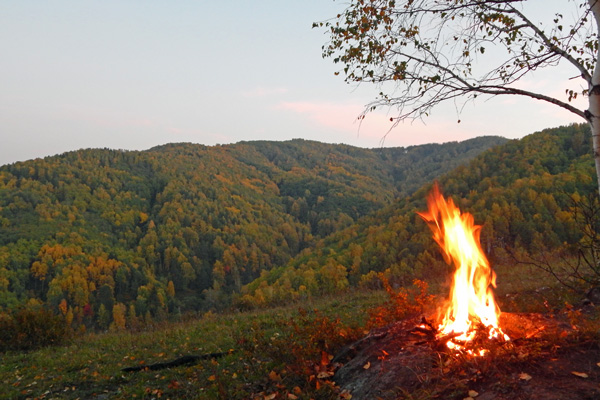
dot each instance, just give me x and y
(279, 352)
(266, 343)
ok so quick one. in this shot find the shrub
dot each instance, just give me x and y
(30, 328)
(401, 304)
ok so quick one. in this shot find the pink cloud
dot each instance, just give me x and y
(376, 129)
(342, 117)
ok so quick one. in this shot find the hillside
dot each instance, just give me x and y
(522, 192)
(111, 237)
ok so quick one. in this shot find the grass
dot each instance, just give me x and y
(525, 288)
(276, 352)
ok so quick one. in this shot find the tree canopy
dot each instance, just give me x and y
(114, 238)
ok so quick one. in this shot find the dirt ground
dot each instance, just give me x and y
(545, 359)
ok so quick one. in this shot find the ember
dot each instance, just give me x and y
(471, 302)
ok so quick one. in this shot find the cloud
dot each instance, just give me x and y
(493, 117)
(338, 116)
(376, 129)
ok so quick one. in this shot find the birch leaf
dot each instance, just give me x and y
(524, 376)
(580, 374)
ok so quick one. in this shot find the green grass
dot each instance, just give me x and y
(268, 347)
(525, 288)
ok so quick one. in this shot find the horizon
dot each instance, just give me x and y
(265, 140)
(136, 76)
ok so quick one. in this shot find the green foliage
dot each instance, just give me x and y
(184, 227)
(521, 193)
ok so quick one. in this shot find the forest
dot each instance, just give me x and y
(527, 194)
(116, 239)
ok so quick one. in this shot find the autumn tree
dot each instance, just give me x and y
(426, 52)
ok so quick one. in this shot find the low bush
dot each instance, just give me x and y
(31, 327)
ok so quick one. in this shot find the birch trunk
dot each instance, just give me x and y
(593, 113)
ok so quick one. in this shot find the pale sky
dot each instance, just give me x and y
(135, 74)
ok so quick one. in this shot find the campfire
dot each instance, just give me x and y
(471, 309)
(443, 356)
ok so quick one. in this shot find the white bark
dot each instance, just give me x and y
(593, 114)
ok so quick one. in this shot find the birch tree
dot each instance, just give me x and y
(426, 52)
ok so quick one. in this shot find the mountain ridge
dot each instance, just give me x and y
(182, 226)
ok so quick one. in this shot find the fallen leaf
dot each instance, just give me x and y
(598, 364)
(271, 396)
(345, 395)
(212, 378)
(274, 376)
(524, 376)
(325, 374)
(580, 374)
(367, 365)
(325, 358)
(292, 396)
(473, 393)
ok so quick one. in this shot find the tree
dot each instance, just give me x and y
(119, 310)
(425, 52)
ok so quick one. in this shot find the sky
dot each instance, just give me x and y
(125, 74)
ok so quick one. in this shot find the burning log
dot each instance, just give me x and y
(444, 339)
(429, 334)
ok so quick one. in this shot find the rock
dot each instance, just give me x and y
(593, 295)
(395, 363)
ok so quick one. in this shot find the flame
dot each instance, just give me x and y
(471, 296)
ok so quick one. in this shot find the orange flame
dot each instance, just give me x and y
(471, 296)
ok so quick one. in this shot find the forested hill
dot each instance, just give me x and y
(106, 235)
(522, 192)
